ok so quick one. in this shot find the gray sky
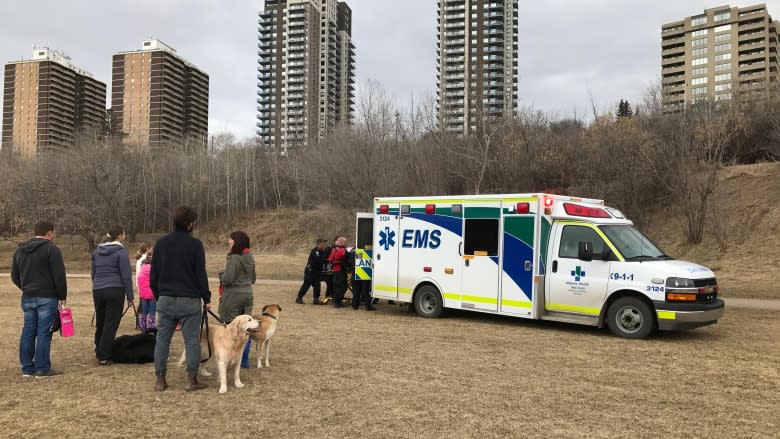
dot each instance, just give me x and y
(567, 48)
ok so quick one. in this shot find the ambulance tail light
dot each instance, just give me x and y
(384, 209)
(523, 208)
(589, 212)
(430, 209)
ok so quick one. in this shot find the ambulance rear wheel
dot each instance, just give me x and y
(629, 317)
(428, 302)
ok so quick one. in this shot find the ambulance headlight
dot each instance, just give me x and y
(679, 282)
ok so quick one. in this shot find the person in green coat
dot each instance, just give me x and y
(238, 278)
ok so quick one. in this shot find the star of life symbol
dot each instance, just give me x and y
(386, 238)
(578, 274)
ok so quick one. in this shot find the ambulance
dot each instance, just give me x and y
(532, 256)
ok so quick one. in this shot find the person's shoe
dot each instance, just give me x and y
(355, 308)
(28, 374)
(337, 305)
(193, 384)
(47, 373)
(316, 302)
(161, 384)
(391, 302)
(370, 308)
(299, 301)
(375, 301)
(105, 362)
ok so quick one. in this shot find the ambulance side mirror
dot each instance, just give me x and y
(585, 251)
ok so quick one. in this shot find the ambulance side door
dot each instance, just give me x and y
(385, 251)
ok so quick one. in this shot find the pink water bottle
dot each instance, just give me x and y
(66, 317)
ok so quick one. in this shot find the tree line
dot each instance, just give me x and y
(636, 160)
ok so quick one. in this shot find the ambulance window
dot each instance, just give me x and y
(481, 236)
(457, 209)
(405, 209)
(365, 232)
(573, 235)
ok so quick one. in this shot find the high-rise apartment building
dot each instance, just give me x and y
(48, 102)
(306, 63)
(159, 99)
(477, 63)
(722, 54)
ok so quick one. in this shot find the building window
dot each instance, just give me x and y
(699, 71)
(699, 42)
(723, 67)
(723, 47)
(699, 61)
(723, 57)
(720, 16)
(723, 87)
(699, 52)
(723, 28)
(723, 77)
(698, 21)
(722, 97)
(722, 37)
(699, 81)
(700, 91)
(700, 33)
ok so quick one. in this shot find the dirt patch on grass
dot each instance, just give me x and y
(343, 373)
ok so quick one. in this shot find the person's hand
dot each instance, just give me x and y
(207, 306)
(62, 303)
(129, 303)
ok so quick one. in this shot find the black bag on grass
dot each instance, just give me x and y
(134, 349)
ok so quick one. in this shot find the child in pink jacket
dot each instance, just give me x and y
(148, 304)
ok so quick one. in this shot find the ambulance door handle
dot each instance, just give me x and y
(555, 266)
(379, 256)
(460, 249)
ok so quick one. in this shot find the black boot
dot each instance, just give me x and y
(193, 384)
(316, 302)
(161, 384)
(298, 300)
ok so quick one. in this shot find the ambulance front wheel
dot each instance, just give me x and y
(428, 302)
(629, 317)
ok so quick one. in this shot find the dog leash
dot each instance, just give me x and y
(135, 311)
(204, 323)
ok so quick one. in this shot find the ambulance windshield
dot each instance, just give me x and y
(632, 244)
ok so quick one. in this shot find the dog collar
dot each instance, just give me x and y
(269, 315)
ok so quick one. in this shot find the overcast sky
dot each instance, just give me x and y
(568, 49)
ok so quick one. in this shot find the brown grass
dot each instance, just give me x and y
(343, 373)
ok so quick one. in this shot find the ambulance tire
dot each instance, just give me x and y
(428, 302)
(630, 317)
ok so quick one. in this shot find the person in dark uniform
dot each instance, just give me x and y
(311, 274)
(327, 276)
(360, 287)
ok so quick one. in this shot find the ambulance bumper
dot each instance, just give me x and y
(684, 316)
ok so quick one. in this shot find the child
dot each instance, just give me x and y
(140, 255)
(148, 305)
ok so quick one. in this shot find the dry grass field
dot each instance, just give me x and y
(343, 373)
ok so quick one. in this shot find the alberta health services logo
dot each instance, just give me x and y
(577, 286)
(386, 238)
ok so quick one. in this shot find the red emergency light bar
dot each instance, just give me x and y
(522, 208)
(430, 209)
(590, 212)
(384, 209)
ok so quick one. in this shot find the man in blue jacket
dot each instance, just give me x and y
(179, 282)
(39, 271)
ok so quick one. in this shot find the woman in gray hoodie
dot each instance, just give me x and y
(237, 279)
(111, 282)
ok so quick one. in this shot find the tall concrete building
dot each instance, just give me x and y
(724, 53)
(48, 102)
(159, 99)
(306, 64)
(477, 63)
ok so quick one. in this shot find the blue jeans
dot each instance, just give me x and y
(172, 310)
(35, 343)
(148, 306)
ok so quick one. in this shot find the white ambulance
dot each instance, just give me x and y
(534, 256)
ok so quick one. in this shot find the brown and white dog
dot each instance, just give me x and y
(227, 344)
(262, 337)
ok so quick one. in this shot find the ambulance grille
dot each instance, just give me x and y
(703, 283)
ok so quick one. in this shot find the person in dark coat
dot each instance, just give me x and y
(312, 272)
(39, 271)
(112, 282)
